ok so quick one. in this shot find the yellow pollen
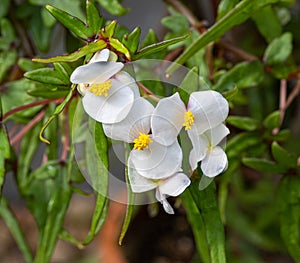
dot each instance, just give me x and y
(142, 142)
(101, 89)
(188, 120)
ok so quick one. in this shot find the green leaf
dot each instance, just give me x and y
(47, 76)
(279, 49)
(56, 211)
(270, 28)
(242, 11)
(283, 157)
(244, 123)
(149, 39)
(264, 165)
(243, 75)
(4, 7)
(7, 60)
(289, 212)
(116, 44)
(113, 7)
(177, 23)
(87, 49)
(189, 84)
(225, 6)
(63, 71)
(76, 26)
(94, 21)
(158, 46)
(49, 92)
(212, 228)
(7, 30)
(27, 64)
(132, 40)
(272, 121)
(97, 165)
(15, 230)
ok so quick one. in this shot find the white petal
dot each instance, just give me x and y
(102, 55)
(127, 80)
(112, 108)
(174, 185)
(167, 119)
(217, 134)
(200, 145)
(215, 162)
(162, 198)
(158, 161)
(138, 183)
(97, 72)
(210, 109)
(137, 120)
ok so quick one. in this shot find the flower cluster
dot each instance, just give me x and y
(111, 96)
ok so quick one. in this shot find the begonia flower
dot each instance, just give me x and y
(106, 98)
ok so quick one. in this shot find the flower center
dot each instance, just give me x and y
(142, 142)
(101, 89)
(188, 120)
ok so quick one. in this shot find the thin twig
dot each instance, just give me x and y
(282, 99)
(27, 127)
(293, 94)
(241, 53)
(66, 141)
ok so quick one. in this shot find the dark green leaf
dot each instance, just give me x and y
(7, 60)
(149, 39)
(94, 21)
(279, 49)
(289, 211)
(87, 49)
(7, 30)
(5, 152)
(47, 76)
(264, 165)
(158, 46)
(4, 7)
(27, 64)
(43, 92)
(283, 157)
(63, 71)
(242, 11)
(113, 7)
(270, 28)
(243, 75)
(132, 40)
(75, 25)
(244, 123)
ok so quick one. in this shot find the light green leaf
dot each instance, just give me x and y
(264, 165)
(279, 49)
(15, 229)
(244, 123)
(7, 30)
(87, 49)
(225, 6)
(113, 7)
(109, 30)
(243, 75)
(158, 46)
(270, 28)
(115, 43)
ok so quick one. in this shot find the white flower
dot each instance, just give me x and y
(107, 98)
(205, 110)
(149, 158)
(205, 149)
(174, 185)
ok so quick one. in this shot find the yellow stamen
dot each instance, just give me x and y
(188, 120)
(101, 89)
(142, 142)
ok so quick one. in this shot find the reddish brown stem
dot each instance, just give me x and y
(27, 127)
(30, 105)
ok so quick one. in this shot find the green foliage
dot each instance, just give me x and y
(38, 97)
